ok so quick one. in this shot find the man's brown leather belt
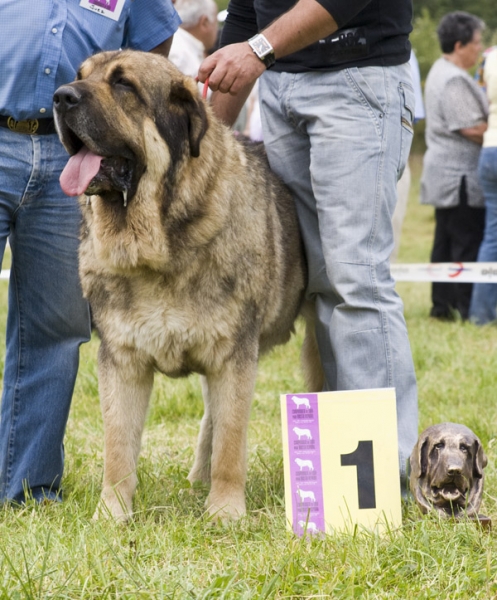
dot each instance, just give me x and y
(29, 126)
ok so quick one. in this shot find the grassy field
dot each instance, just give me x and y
(171, 551)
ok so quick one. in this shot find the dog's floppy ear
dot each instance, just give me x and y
(195, 112)
(476, 489)
(423, 456)
(419, 458)
(419, 469)
(479, 459)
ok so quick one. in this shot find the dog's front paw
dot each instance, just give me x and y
(200, 475)
(226, 508)
(112, 506)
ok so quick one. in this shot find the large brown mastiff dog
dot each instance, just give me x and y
(447, 470)
(190, 258)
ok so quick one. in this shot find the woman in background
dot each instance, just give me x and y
(456, 116)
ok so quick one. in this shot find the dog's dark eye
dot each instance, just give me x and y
(440, 445)
(124, 83)
(463, 448)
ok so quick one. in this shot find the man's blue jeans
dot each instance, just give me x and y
(47, 318)
(484, 298)
(340, 140)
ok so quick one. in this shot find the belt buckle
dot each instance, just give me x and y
(29, 126)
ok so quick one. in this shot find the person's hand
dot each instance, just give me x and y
(231, 69)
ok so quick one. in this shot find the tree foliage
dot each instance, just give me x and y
(424, 40)
(485, 9)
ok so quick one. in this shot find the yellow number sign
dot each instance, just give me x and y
(341, 460)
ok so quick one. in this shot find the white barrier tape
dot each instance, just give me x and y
(446, 272)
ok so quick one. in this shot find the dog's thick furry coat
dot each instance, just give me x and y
(190, 258)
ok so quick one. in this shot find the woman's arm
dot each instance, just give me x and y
(474, 134)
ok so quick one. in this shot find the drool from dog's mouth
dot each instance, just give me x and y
(89, 173)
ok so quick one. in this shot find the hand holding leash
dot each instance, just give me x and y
(231, 69)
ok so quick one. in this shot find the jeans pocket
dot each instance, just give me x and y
(368, 84)
(406, 95)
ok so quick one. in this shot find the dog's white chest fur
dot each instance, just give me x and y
(170, 333)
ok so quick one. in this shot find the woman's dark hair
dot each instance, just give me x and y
(456, 27)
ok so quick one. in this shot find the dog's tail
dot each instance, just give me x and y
(311, 361)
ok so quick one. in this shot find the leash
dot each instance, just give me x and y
(205, 89)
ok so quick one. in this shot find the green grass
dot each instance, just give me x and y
(170, 550)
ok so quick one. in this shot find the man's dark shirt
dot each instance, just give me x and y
(372, 33)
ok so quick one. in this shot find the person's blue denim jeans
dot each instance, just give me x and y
(340, 140)
(484, 298)
(47, 317)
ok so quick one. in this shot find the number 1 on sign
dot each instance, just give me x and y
(363, 459)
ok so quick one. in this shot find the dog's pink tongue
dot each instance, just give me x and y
(79, 171)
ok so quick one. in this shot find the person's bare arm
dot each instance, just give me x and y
(227, 107)
(475, 134)
(163, 48)
(306, 23)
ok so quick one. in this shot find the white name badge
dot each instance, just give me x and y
(111, 9)
(341, 460)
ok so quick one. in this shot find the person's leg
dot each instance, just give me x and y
(47, 321)
(358, 149)
(466, 234)
(442, 294)
(484, 298)
(288, 148)
(16, 156)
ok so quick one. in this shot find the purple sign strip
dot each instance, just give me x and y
(107, 4)
(305, 463)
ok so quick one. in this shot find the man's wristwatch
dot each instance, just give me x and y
(262, 49)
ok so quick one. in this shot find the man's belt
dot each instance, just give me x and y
(29, 126)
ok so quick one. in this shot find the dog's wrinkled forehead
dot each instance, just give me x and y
(143, 69)
(450, 431)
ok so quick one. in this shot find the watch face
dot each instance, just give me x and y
(261, 46)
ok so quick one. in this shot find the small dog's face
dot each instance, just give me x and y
(447, 470)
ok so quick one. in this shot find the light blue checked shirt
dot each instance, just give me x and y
(43, 42)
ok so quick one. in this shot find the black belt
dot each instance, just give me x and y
(29, 126)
